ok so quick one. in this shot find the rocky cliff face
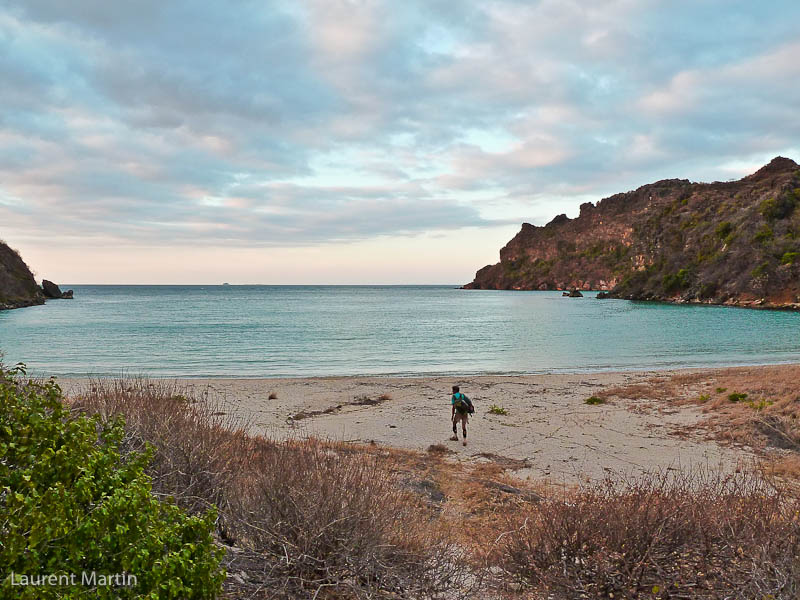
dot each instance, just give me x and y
(18, 288)
(733, 243)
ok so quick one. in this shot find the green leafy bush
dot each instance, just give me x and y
(676, 281)
(789, 257)
(778, 208)
(72, 505)
(724, 230)
(760, 270)
(764, 234)
(737, 397)
(592, 400)
(497, 410)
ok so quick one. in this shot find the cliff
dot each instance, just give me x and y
(722, 243)
(18, 288)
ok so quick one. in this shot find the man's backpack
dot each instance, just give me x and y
(463, 404)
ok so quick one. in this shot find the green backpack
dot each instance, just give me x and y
(463, 404)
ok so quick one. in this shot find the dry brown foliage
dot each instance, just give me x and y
(301, 518)
(667, 535)
(307, 518)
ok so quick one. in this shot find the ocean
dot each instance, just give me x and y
(289, 331)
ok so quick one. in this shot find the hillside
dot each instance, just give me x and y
(721, 243)
(18, 288)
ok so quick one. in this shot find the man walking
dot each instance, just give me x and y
(461, 407)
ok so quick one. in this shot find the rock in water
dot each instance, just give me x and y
(575, 294)
(51, 290)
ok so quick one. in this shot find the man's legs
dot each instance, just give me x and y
(455, 430)
(464, 428)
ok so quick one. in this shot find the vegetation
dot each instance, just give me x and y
(592, 400)
(778, 207)
(789, 258)
(73, 502)
(737, 397)
(497, 410)
(301, 517)
(690, 535)
(305, 518)
(724, 229)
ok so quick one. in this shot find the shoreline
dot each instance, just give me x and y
(431, 375)
(549, 432)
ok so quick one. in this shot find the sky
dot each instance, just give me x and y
(364, 142)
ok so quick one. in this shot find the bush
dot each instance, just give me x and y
(760, 271)
(592, 400)
(676, 281)
(764, 234)
(724, 230)
(789, 257)
(72, 503)
(497, 410)
(736, 397)
(302, 516)
(659, 536)
(778, 208)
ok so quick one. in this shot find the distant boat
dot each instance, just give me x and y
(226, 284)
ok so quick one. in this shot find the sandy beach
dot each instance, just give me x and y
(549, 432)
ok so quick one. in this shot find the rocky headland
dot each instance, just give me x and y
(18, 287)
(735, 243)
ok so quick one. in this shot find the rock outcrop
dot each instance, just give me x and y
(17, 285)
(732, 242)
(51, 290)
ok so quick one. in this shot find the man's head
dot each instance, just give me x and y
(455, 389)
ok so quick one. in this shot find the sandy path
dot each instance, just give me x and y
(548, 426)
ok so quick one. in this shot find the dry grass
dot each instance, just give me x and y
(440, 449)
(691, 535)
(301, 518)
(308, 518)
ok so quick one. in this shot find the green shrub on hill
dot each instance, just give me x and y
(778, 208)
(73, 506)
(789, 258)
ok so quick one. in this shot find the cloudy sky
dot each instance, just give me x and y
(349, 141)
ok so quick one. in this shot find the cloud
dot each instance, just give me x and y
(285, 124)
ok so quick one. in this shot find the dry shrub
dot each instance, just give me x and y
(321, 518)
(668, 535)
(301, 518)
(194, 442)
(439, 449)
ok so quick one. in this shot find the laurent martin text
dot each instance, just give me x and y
(85, 578)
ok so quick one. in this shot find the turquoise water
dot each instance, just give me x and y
(272, 331)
